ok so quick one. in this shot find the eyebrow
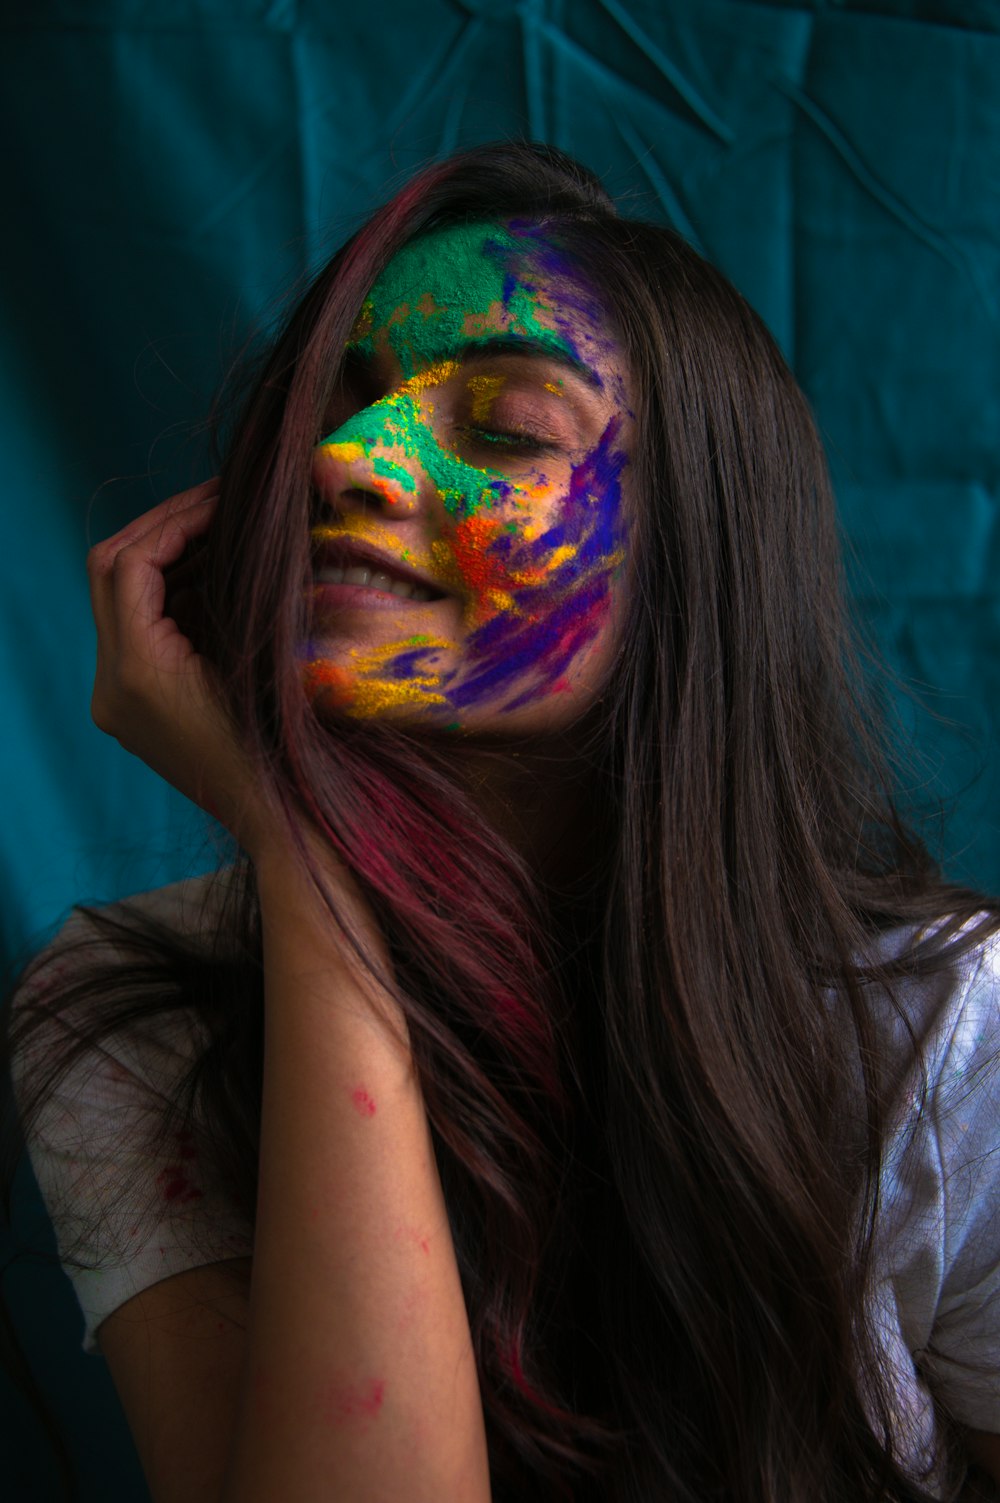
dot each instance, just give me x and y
(510, 346)
(505, 346)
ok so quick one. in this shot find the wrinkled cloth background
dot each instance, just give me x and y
(174, 166)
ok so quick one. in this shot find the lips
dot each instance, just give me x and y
(340, 555)
(347, 554)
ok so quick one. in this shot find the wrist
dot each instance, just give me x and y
(289, 896)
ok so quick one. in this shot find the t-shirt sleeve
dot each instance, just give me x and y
(962, 1356)
(123, 1216)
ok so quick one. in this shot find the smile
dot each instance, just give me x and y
(371, 581)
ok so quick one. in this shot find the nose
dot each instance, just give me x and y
(371, 460)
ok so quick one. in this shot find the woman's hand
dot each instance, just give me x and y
(153, 691)
(158, 697)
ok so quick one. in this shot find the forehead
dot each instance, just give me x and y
(466, 284)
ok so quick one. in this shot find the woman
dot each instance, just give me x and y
(562, 1093)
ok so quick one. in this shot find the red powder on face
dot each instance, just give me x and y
(324, 677)
(481, 571)
(382, 488)
(363, 1102)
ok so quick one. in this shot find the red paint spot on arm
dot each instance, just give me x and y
(414, 1234)
(363, 1102)
(354, 1404)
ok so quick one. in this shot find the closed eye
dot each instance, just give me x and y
(512, 441)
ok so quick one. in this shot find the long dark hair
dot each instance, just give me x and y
(658, 1108)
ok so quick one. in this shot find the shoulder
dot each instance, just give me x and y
(937, 1235)
(92, 961)
(941, 1169)
(98, 1065)
(943, 1015)
(96, 936)
(188, 907)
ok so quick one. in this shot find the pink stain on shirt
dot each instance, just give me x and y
(174, 1180)
(176, 1187)
(363, 1102)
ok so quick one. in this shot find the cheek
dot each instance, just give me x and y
(555, 538)
(546, 593)
(502, 550)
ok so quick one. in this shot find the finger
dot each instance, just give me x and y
(128, 586)
(188, 507)
(139, 526)
(137, 590)
(165, 531)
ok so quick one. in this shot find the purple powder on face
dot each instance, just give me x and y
(542, 640)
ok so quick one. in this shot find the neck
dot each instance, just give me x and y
(540, 796)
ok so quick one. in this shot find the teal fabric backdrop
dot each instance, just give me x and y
(173, 166)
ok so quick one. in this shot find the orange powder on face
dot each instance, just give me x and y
(486, 577)
(320, 677)
(491, 583)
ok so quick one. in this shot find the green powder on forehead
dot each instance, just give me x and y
(436, 290)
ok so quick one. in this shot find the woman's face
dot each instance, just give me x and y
(477, 450)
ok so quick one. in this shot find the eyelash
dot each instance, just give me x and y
(512, 441)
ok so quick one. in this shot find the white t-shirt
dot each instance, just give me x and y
(93, 1130)
(937, 1234)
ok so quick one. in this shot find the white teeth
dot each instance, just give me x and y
(376, 580)
(394, 586)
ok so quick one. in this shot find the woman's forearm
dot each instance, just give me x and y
(360, 1382)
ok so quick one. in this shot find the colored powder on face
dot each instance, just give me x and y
(437, 561)
(384, 468)
(321, 677)
(533, 599)
(558, 617)
(486, 574)
(371, 683)
(402, 422)
(485, 390)
(466, 274)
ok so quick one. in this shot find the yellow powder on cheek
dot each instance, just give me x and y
(376, 696)
(362, 687)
